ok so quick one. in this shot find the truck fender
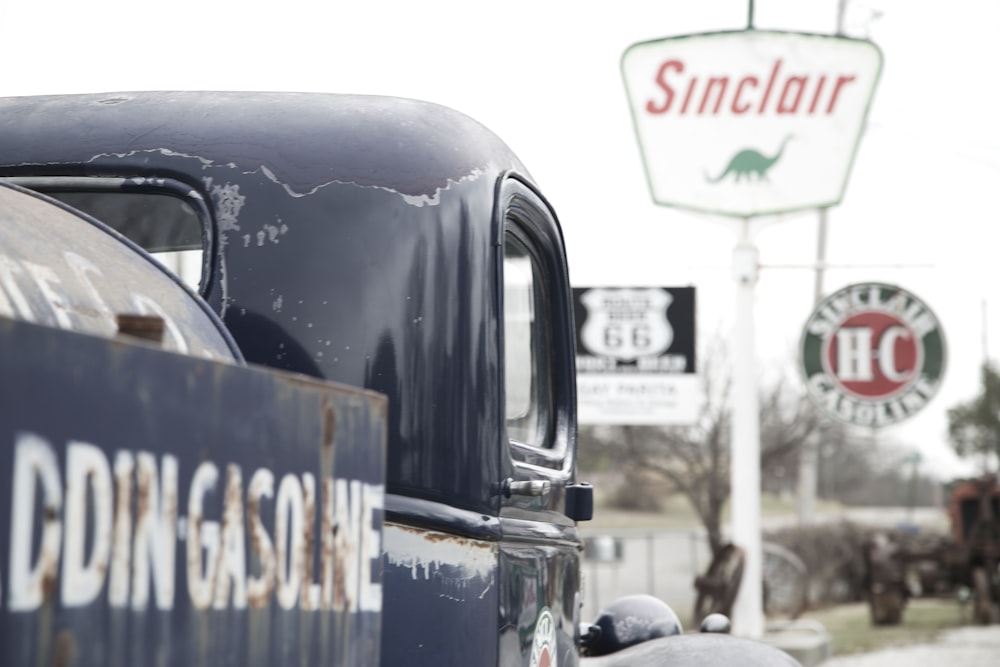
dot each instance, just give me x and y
(696, 650)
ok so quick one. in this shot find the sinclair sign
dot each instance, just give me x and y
(752, 122)
(872, 354)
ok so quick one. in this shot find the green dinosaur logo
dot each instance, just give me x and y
(750, 161)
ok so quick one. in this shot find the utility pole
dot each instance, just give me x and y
(809, 456)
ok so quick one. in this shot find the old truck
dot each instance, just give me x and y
(289, 379)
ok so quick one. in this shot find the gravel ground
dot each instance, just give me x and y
(962, 647)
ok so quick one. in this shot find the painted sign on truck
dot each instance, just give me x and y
(191, 511)
(751, 122)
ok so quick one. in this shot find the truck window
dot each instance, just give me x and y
(163, 217)
(165, 226)
(526, 354)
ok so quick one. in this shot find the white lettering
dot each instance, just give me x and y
(82, 578)
(81, 268)
(259, 588)
(854, 354)
(233, 556)
(201, 535)
(154, 549)
(13, 303)
(887, 353)
(46, 280)
(310, 592)
(370, 592)
(288, 522)
(34, 461)
(119, 526)
(348, 513)
(121, 552)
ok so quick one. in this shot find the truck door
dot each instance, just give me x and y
(540, 544)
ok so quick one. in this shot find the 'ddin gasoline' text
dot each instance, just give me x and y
(126, 547)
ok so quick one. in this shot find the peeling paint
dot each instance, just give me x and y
(427, 552)
(420, 200)
(228, 203)
(162, 151)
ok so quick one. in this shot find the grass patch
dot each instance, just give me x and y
(851, 630)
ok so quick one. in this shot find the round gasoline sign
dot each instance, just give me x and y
(872, 354)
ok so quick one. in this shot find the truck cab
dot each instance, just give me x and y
(400, 248)
(387, 244)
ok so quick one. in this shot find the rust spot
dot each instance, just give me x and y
(144, 480)
(308, 538)
(122, 532)
(339, 581)
(256, 598)
(329, 424)
(435, 538)
(50, 581)
(147, 327)
(328, 546)
(194, 558)
(64, 650)
(231, 515)
(253, 512)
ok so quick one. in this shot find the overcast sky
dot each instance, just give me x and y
(546, 77)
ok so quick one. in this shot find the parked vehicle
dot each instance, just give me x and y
(390, 472)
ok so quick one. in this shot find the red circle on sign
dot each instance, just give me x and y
(872, 354)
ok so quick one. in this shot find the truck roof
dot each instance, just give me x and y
(353, 238)
(302, 140)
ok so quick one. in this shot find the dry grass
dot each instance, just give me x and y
(851, 630)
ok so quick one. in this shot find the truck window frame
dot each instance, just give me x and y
(528, 219)
(53, 186)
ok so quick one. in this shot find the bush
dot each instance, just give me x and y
(639, 492)
(833, 554)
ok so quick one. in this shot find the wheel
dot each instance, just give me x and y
(786, 582)
(982, 602)
(718, 587)
(886, 606)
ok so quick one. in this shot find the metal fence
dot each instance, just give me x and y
(662, 563)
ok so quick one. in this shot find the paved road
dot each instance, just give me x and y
(963, 647)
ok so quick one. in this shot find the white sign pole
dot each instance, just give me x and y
(748, 609)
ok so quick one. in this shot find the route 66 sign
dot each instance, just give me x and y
(627, 323)
(635, 329)
(635, 355)
(872, 354)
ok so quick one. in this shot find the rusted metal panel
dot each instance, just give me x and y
(167, 510)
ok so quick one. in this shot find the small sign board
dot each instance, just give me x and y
(872, 354)
(636, 355)
(750, 122)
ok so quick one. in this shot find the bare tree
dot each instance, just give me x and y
(695, 459)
